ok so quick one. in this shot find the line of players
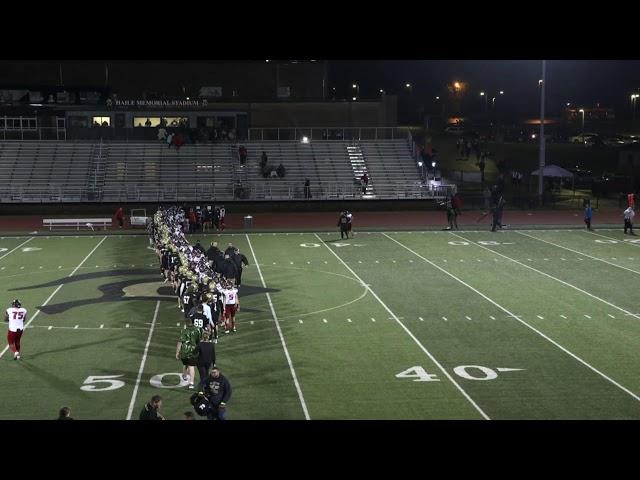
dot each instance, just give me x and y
(206, 283)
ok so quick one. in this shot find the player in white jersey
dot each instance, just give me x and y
(231, 306)
(16, 316)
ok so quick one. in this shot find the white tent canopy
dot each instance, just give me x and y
(553, 171)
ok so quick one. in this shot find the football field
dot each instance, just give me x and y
(527, 324)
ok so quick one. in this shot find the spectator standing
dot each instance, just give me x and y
(151, 410)
(170, 138)
(263, 160)
(162, 134)
(588, 214)
(459, 147)
(365, 181)
(280, 171)
(147, 123)
(242, 152)
(307, 189)
(629, 213)
(120, 217)
(64, 414)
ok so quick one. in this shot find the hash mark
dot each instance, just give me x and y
(492, 317)
(373, 319)
(76, 327)
(102, 326)
(324, 320)
(349, 320)
(611, 315)
(421, 319)
(563, 317)
(587, 316)
(540, 317)
(126, 326)
(300, 320)
(467, 317)
(444, 318)
(50, 327)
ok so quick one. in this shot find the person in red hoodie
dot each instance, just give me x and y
(119, 217)
(192, 221)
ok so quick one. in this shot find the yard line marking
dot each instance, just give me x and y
(563, 317)
(611, 315)
(284, 345)
(144, 359)
(46, 302)
(587, 316)
(76, 327)
(50, 327)
(16, 248)
(420, 345)
(421, 319)
(551, 277)
(102, 325)
(613, 238)
(540, 317)
(492, 317)
(467, 317)
(581, 253)
(444, 318)
(592, 368)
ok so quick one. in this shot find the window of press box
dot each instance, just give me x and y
(160, 121)
(101, 121)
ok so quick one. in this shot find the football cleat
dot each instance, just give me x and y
(185, 377)
(226, 331)
(234, 329)
(191, 386)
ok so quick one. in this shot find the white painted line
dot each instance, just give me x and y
(540, 317)
(144, 359)
(349, 320)
(46, 302)
(563, 317)
(421, 319)
(551, 277)
(611, 315)
(467, 317)
(410, 261)
(492, 317)
(76, 327)
(420, 345)
(324, 320)
(621, 387)
(581, 253)
(284, 345)
(50, 327)
(444, 318)
(16, 248)
(373, 319)
(102, 325)
(587, 316)
(622, 242)
(563, 259)
(300, 320)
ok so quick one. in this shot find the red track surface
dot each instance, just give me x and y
(381, 220)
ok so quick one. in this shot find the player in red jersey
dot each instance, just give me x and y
(16, 316)
(231, 306)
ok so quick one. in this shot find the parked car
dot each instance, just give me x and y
(455, 129)
(583, 138)
(615, 141)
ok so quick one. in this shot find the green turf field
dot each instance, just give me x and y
(526, 324)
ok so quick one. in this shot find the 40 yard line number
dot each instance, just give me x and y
(468, 372)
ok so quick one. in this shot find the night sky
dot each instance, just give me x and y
(582, 82)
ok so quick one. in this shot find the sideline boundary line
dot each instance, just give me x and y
(420, 345)
(583, 362)
(284, 345)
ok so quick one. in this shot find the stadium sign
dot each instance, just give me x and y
(157, 103)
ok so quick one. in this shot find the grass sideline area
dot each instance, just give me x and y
(527, 324)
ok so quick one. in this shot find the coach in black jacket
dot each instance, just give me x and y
(229, 269)
(239, 259)
(218, 390)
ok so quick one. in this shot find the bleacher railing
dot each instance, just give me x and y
(296, 134)
(276, 190)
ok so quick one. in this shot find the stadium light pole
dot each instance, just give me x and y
(634, 100)
(541, 155)
(582, 112)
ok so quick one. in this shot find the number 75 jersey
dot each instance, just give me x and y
(17, 317)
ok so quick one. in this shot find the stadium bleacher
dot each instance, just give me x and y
(118, 171)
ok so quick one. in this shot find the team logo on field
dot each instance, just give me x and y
(145, 286)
